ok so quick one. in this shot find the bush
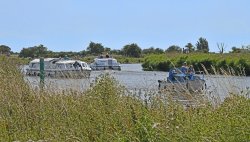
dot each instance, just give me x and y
(198, 60)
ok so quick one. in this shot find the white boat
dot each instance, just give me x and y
(179, 81)
(34, 66)
(105, 63)
(56, 67)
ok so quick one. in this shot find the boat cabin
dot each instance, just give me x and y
(102, 63)
(71, 65)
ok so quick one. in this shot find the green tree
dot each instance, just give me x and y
(116, 52)
(202, 45)
(132, 50)
(107, 49)
(159, 51)
(27, 52)
(243, 49)
(95, 48)
(174, 48)
(5, 49)
(190, 47)
(152, 50)
(40, 50)
(235, 50)
(35, 51)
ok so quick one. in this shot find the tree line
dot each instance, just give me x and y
(129, 50)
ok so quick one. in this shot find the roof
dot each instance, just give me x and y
(68, 61)
(45, 60)
(104, 59)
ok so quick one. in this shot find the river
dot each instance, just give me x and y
(133, 77)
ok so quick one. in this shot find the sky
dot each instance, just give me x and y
(70, 25)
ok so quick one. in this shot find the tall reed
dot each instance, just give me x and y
(107, 112)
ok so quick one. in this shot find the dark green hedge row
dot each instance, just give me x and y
(232, 63)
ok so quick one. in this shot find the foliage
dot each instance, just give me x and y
(152, 50)
(156, 62)
(132, 50)
(202, 45)
(116, 52)
(95, 48)
(5, 49)
(36, 51)
(174, 48)
(243, 49)
(190, 47)
(107, 112)
(227, 61)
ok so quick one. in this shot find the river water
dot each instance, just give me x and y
(133, 77)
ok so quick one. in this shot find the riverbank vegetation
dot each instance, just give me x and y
(108, 112)
(152, 58)
(235, 63)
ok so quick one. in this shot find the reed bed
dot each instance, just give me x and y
(108, 112)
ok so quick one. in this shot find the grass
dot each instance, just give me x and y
(164, 62)
(107, 112)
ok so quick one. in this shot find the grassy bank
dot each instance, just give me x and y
(107, 113)
(239, 63)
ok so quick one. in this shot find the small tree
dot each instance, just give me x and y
(148, 50)
(174, 48)
(35, 51)
(202, 45)
(95, 48)
(221, 47)
(158, 51)
(152, 50)
(115, 51)
(235, 50)
(132, 50)
(190, 47)
(5, 49)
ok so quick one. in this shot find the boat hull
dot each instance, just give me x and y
(190, 85)
(60, 73)
(106, 68)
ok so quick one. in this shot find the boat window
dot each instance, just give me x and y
(69, 66)
(60, 66)
(115, 61)
(35, 65)
(102, 62)
(84, 65)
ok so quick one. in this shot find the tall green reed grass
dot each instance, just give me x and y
(107, 112)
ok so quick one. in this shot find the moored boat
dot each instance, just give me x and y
(57, 67)
(105, 63)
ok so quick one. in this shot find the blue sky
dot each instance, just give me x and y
(70, 25)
